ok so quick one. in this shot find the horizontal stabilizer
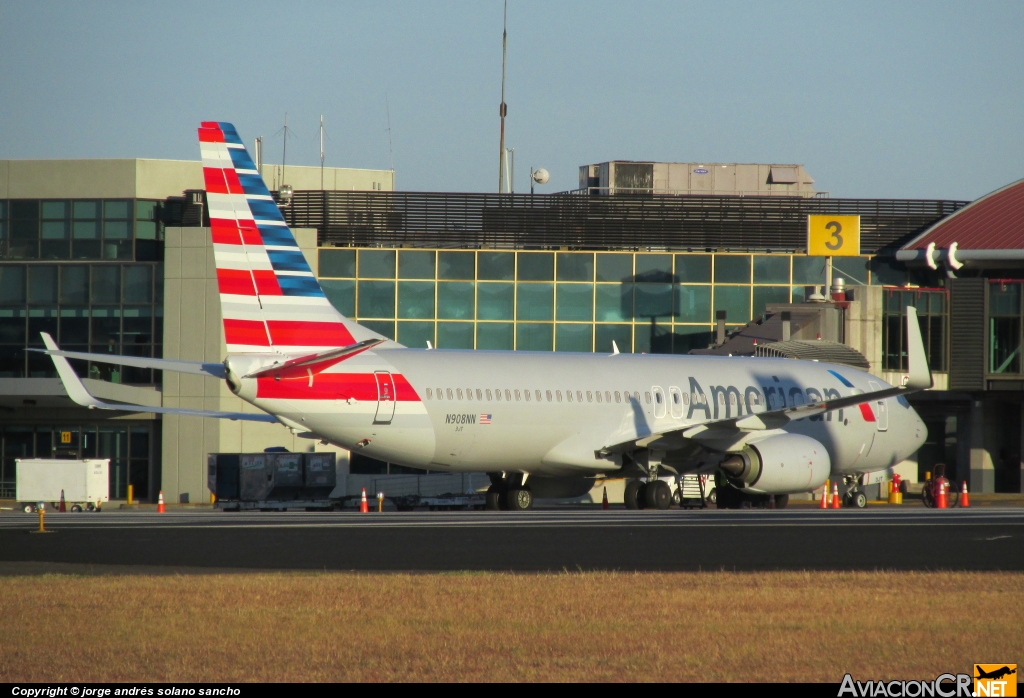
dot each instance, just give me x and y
(314, 362)
(77, 392)
(194, 367)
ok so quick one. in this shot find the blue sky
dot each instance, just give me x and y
(877, 99)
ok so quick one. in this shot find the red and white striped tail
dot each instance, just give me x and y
(270, 300)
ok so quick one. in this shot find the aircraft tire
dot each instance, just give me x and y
(518, 499)
(781, 500)
(658, 495)
(630, 496)
(641, 496)
(493, 498)
(858, 500)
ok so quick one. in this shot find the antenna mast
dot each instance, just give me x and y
(391, 151)
(284, 149)
(321, 152)
(503, 109)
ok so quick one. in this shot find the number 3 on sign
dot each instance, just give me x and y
(833, 236)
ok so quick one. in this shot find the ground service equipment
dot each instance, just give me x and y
(85, 483)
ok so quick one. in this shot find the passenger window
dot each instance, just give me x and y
(497, 395)
(607, 396)
(675, 398)
(449, 393)
(459, 392)
(526, 394)
(686, 398)
(429, 396)
(538, 396)
(590, 396)
(617, 395)
(508, 395)
(549, 395)
(636, 396)
(479, 394)
(657, 396)
(599, 396)
(648, 396)
(469, 393)
(517, 396)
(579, 396)
(440, 394)
(489, 398)
(558, 395)
(568, 395)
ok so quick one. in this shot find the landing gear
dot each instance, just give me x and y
(518, 498)
(658, 495)
(854, 497)
(634, 494)
(493, 498)
(857, 499)
(508, 493)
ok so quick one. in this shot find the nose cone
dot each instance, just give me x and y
(916, 431)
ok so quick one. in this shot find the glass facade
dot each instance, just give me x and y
(89, 273)
(132, 447)
(1004, 328)
(91, 229)
(931, 305)
(564, 301)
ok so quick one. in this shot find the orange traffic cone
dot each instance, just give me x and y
(604, 499)
(63, 507)
(965, 501)
(160, 508)
(835, 496)
(824, 496)
(941, 501)
(364, 506)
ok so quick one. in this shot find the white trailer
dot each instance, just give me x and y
(85, 483)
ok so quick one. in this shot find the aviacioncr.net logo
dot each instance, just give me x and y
(943, 686)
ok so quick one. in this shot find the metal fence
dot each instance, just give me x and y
(578, 221)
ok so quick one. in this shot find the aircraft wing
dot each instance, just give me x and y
(194, 367)
(76, 391)
(734, 430)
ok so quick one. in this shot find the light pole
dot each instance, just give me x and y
(540, 176)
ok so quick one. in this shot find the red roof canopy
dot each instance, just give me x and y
(993, 222)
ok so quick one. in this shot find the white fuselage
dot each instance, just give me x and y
(550, 413)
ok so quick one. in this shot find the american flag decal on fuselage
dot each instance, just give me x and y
(485, 419)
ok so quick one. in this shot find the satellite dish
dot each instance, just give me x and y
(541, 176)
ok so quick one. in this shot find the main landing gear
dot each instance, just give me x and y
(647, 495)
(509, 493)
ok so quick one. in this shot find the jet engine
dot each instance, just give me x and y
(781, 464)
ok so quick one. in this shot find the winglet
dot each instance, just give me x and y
(72, 383)
(919, 375)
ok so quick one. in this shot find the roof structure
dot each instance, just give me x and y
(993, 222)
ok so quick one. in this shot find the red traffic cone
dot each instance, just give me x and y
(160, 508)
(63, 506)
(836, 504)
(604, 499)
(824, 496)
(965, 501)
(364, 506)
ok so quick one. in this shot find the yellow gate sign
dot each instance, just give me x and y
(833, 236)
(65, 437)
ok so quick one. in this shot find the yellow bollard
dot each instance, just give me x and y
(213, 498)
(42, 516)
(131, 491)
(380, 501)
(893, 493)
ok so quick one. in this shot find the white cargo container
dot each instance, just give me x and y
(85, 483)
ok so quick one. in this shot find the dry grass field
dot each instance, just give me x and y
(507, 627)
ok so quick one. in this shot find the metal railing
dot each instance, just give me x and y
(572, 221)
(781, 190)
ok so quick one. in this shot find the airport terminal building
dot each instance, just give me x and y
(114, 256)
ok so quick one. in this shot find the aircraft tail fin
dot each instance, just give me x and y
(270, 299)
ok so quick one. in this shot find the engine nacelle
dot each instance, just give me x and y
(782, 464)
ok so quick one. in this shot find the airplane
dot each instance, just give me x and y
(536, 422)
(995, 674)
